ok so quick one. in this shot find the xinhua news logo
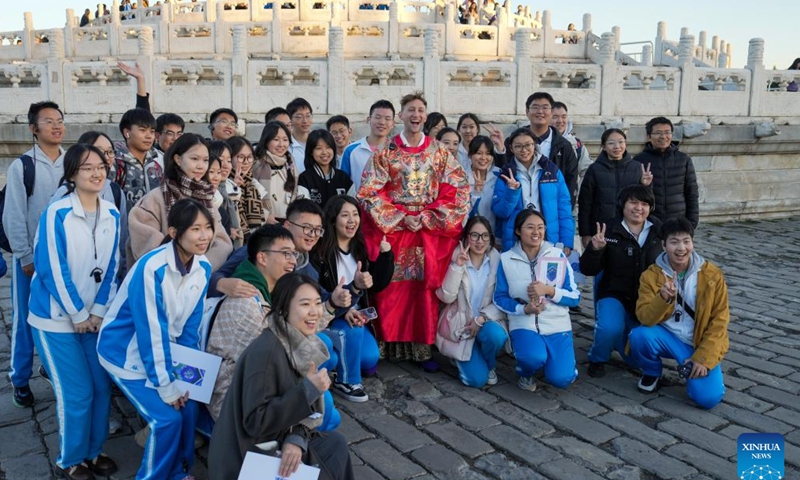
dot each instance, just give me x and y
(760, 456)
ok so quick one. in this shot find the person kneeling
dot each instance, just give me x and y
(277, 392)
(684, 312)
(537, 302)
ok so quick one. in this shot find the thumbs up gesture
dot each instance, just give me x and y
(340, 296)
(385, 245)
(319, 379)
(362, 280)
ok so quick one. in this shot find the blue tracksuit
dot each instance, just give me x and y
(159, 303)
(65, 293)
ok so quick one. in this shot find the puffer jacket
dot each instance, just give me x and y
(605, 178)
(622, 262)
(674, 183)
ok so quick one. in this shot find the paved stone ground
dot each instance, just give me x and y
(428, 426)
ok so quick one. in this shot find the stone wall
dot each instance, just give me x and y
(740, 177)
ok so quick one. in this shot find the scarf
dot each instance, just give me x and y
(251, 209)
(302, 352)
(275, 161)
(185, 187)
(250, 274)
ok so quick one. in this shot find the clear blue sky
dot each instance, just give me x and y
(736, 21)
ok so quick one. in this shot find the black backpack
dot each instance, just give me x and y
(28, 179)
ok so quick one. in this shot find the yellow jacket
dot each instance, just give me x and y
(712, 311)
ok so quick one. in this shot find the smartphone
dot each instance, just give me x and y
(369, 312)
(685, 370)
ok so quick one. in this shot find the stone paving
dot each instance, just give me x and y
(428, 426)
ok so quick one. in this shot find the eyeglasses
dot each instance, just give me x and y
(225, 123)
(108, 153)
(524, 146)
(474, 236)
(301, 118)
(49, 123)
(540, 108)
(308, 230)
(289, 255)
(661, 134)
(92, 170)
(171, 134)
(245, 159)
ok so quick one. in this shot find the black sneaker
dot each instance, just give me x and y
(597, 369)
(23, 397)
(648, 384)
(353, 392)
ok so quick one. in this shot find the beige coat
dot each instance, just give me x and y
(147, 227)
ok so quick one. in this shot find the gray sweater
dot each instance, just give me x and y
(21, 214)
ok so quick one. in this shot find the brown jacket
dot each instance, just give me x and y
(712, 312)
(147, 227)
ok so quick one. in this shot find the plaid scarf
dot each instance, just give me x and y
(185, 187)
(251, 208)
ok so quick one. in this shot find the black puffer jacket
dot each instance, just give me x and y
(622, 262)
(674, 183)
(600, 189)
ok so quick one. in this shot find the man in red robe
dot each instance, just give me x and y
(416, 194)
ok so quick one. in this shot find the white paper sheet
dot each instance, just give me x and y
(195, 372)
(265, 467)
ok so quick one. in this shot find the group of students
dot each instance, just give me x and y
(301, 275)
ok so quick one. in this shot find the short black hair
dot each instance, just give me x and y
(303, 205)
(607, 133)
(470, 116)
(264, 237)
(169, 119)
(273, 113)
(476, 143)
(216, 113)
(285, 289)
(658, 121)
(521, 131)
(382, 104)
(75, 156)
(539, 96)
(523, 215)
(182, 215)
(138, 117)
(676, 226)
(434, 118)
(636, 192)
(35, 108)
(561, 105)
(337, 119)
(298, 104)
(447, 130)
(91, 136)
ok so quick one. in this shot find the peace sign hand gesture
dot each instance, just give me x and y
(599, 239)
(463, 255)
(511, 181)
(647, 175)
(496, 135)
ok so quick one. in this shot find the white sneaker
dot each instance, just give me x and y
(492, 378)
(527, 383)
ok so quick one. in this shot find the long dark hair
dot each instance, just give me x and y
(74, 158)
(319, 135)
(269, 132)
(477, 219)
(172, 171)
(434, 118)
(237, 143)
(328, 245)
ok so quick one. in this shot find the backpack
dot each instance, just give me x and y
(28, 179)
(116, 190)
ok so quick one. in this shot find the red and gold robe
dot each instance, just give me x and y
(427, 182)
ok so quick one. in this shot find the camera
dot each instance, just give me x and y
(97, 274)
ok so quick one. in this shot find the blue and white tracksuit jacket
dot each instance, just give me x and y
(67, 249)
(156, 304)
(511, 292)
(554, 201)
